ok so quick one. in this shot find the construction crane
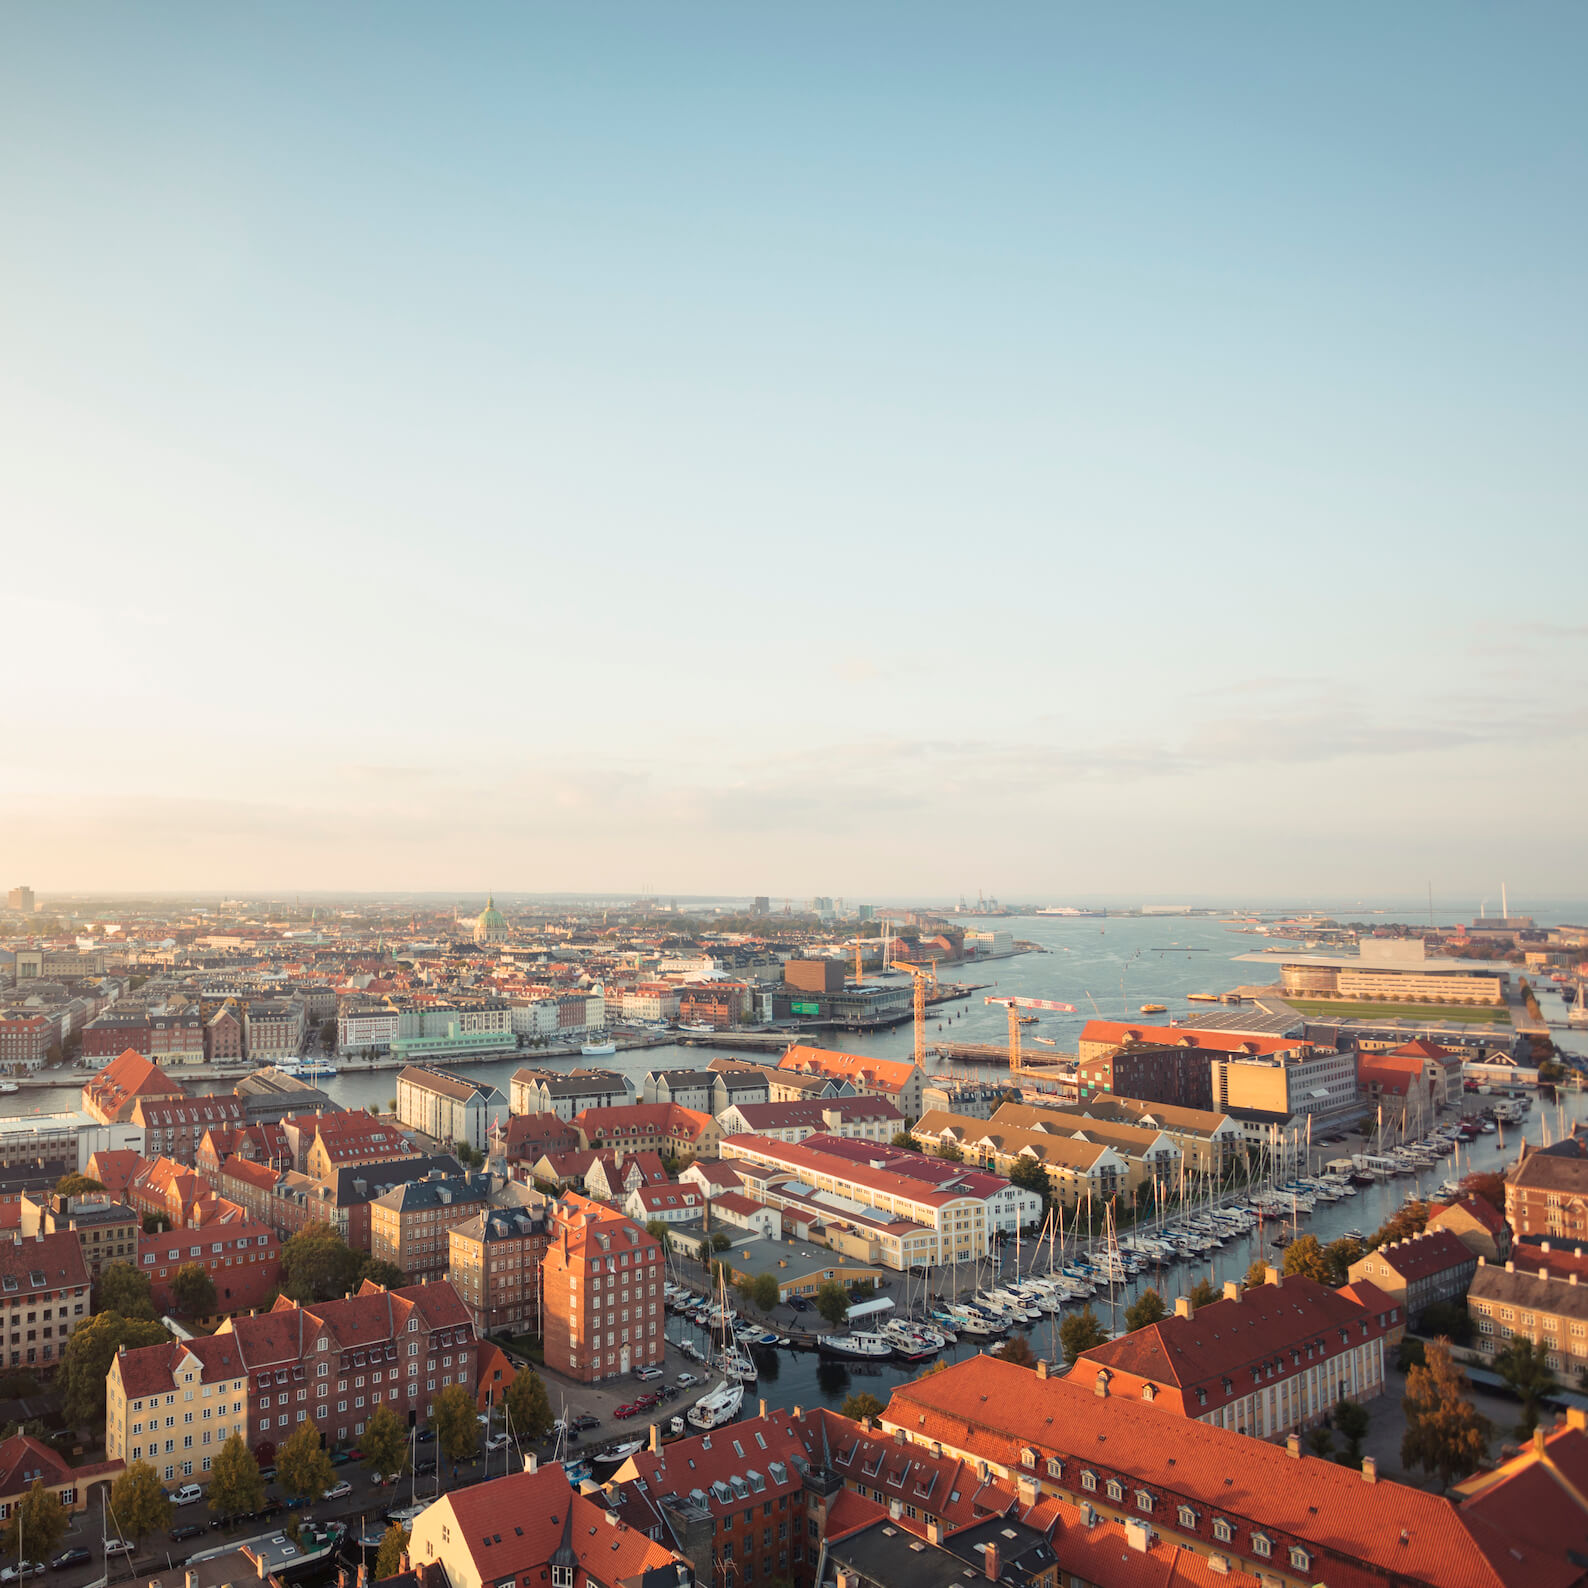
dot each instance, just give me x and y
(922, 974)
(1014, 1006)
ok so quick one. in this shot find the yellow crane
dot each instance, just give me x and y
(923, 975)
(1014, 1006)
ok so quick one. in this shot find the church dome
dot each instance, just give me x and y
(490, 926)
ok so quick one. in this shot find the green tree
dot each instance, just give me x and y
(122, 1288)
(904, 1141)
(236, 1489)
(381, 1272)
(529, 1406)
(858, 1407)
(658, 1229)
(1017, 1349)
(1444, 1431)
(193, 1291)
(385, 1443)
(949, 1151)
(139, 1505)
(765, 1292)
(317, 1265)
(303, 1469)
(1257, 1273)
(1305, 1256)
(1079, 1333)
(832, 1302)
(388, 1559)
(1203, 1293)
(1320, 1440)
(1340, 1255)
(1351, 1419)
(1412, 1219)
(1524, 1365)
(155, 1223)
(1447, 1320)
(77, 1185)
(453, 1418)
(35, 1525)
(85, 1365)
(1146, 1309)
(719, 1241)
(1029, 1175)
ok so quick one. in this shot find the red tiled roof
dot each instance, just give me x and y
(1477, 1207)
(151, 1369)
(1119, 1033)
(113, 1169)
(992, 1410)
(1536, 1504)
(56, 1260)
(895, 1074)
(1432, 1252)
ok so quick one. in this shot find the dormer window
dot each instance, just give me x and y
(1116, 1489)
(1300, 1559)
(1089, 1481)
(562, 1577)
(1262, 1545)
(1188, 1517)
(1222, 1531)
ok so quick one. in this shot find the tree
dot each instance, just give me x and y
(903, 1140)
(832, 1301)
(1148, 1308)
(719, 1241)
(388, 1559)
(1203, 1293)
(1079, 1333)
(1305, 1256)
(303, 1469)
(453, 1418)
(765, 1292)
(1018, 1350)
(155, 1223)
(1351, 1419)
(1444, 1431)
(529, 1406)
(1320, 1440)
(658, 1229)
(193, 1291)
(1257, 1273)
(85, 1364)
(949, 1151)
(1029, 1175)
(1446, 1320)
(1524, 1365)
(35, 1525)
(385, 1443)
(77, 1185)
(236, 1489)
(381, 1272)
(1412, 1219)
(1489, 1184)
(859, 1407)
(123, 1289)
(317, 1265)
(1340, 1255)
(138, 1504)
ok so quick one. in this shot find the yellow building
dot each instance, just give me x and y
(175, 1405)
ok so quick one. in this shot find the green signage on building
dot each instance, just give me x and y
(805, 1009)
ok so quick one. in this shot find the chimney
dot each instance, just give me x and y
(990, 1563)
(1184, 1307)
(1538, 1441)
(1233, 1289)
(655, 1443)
(264, 1568)
(762, 1403)
(934, 1531)
(1293, 1446)
(1101, 1390)
(1369, 1470)
(190, 1577)
(1026, 1490)
(403, 1564)
(1273, 1276)
(363, 1575)
(531, 1461)
(799, 1412)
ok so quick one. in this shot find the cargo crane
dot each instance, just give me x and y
(1014, 1006)
(922, 974)
(860, 970)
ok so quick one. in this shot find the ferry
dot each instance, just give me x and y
(8, 1087)
(598, 1050)
(1155, 1009)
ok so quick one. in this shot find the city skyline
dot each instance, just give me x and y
(1058, 454)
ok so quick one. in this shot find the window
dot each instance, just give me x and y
(1116, 1489)
(1187, 1517)
(1143, 1500)
(1055, 1467)
(1222, 1531)
(1299, 1558)
(1262, 1545)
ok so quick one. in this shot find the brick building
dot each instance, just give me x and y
(1547, 1193)
(601, 1289)
(110, 1095)
(242, 1258)
(25, 1042)
(408, 1224)
(43, 1297)
(336, 1361)
(173, 1127)
(493, 1261)
(1434, 1266)
(106, 1229)
(116, 1032)
(1153, 1071)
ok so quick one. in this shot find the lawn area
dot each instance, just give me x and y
(1484, 1015)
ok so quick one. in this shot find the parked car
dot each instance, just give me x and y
(340, 1458)
(355, 1455)
(644, 1373)
(497, 1442)
(26, 1568)
(585, 1420)
(687, 1379)
(117, 1546)
(267, 1474)
(426, 1435)
(188, 1494)
(187, 1530)
(338, 1491)
(70, 1557)
(424, 1469)
(799, 1304)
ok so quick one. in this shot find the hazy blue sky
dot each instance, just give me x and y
(855, 449)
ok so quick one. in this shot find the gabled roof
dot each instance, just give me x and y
(1235, 1044)
(893, 1074)
(152, 1369)
(1432, 1252)
(1476, 1207)
(1537, 1502)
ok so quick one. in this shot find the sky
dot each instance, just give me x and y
(856, 449)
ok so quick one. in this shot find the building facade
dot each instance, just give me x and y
(43, 1297)
(175, 1405)
(448, 1108)
(493, 1262)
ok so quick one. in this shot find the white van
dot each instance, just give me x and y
(188, 1494)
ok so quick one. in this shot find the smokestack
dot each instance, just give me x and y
(1369, 1470)
(990, 1564)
